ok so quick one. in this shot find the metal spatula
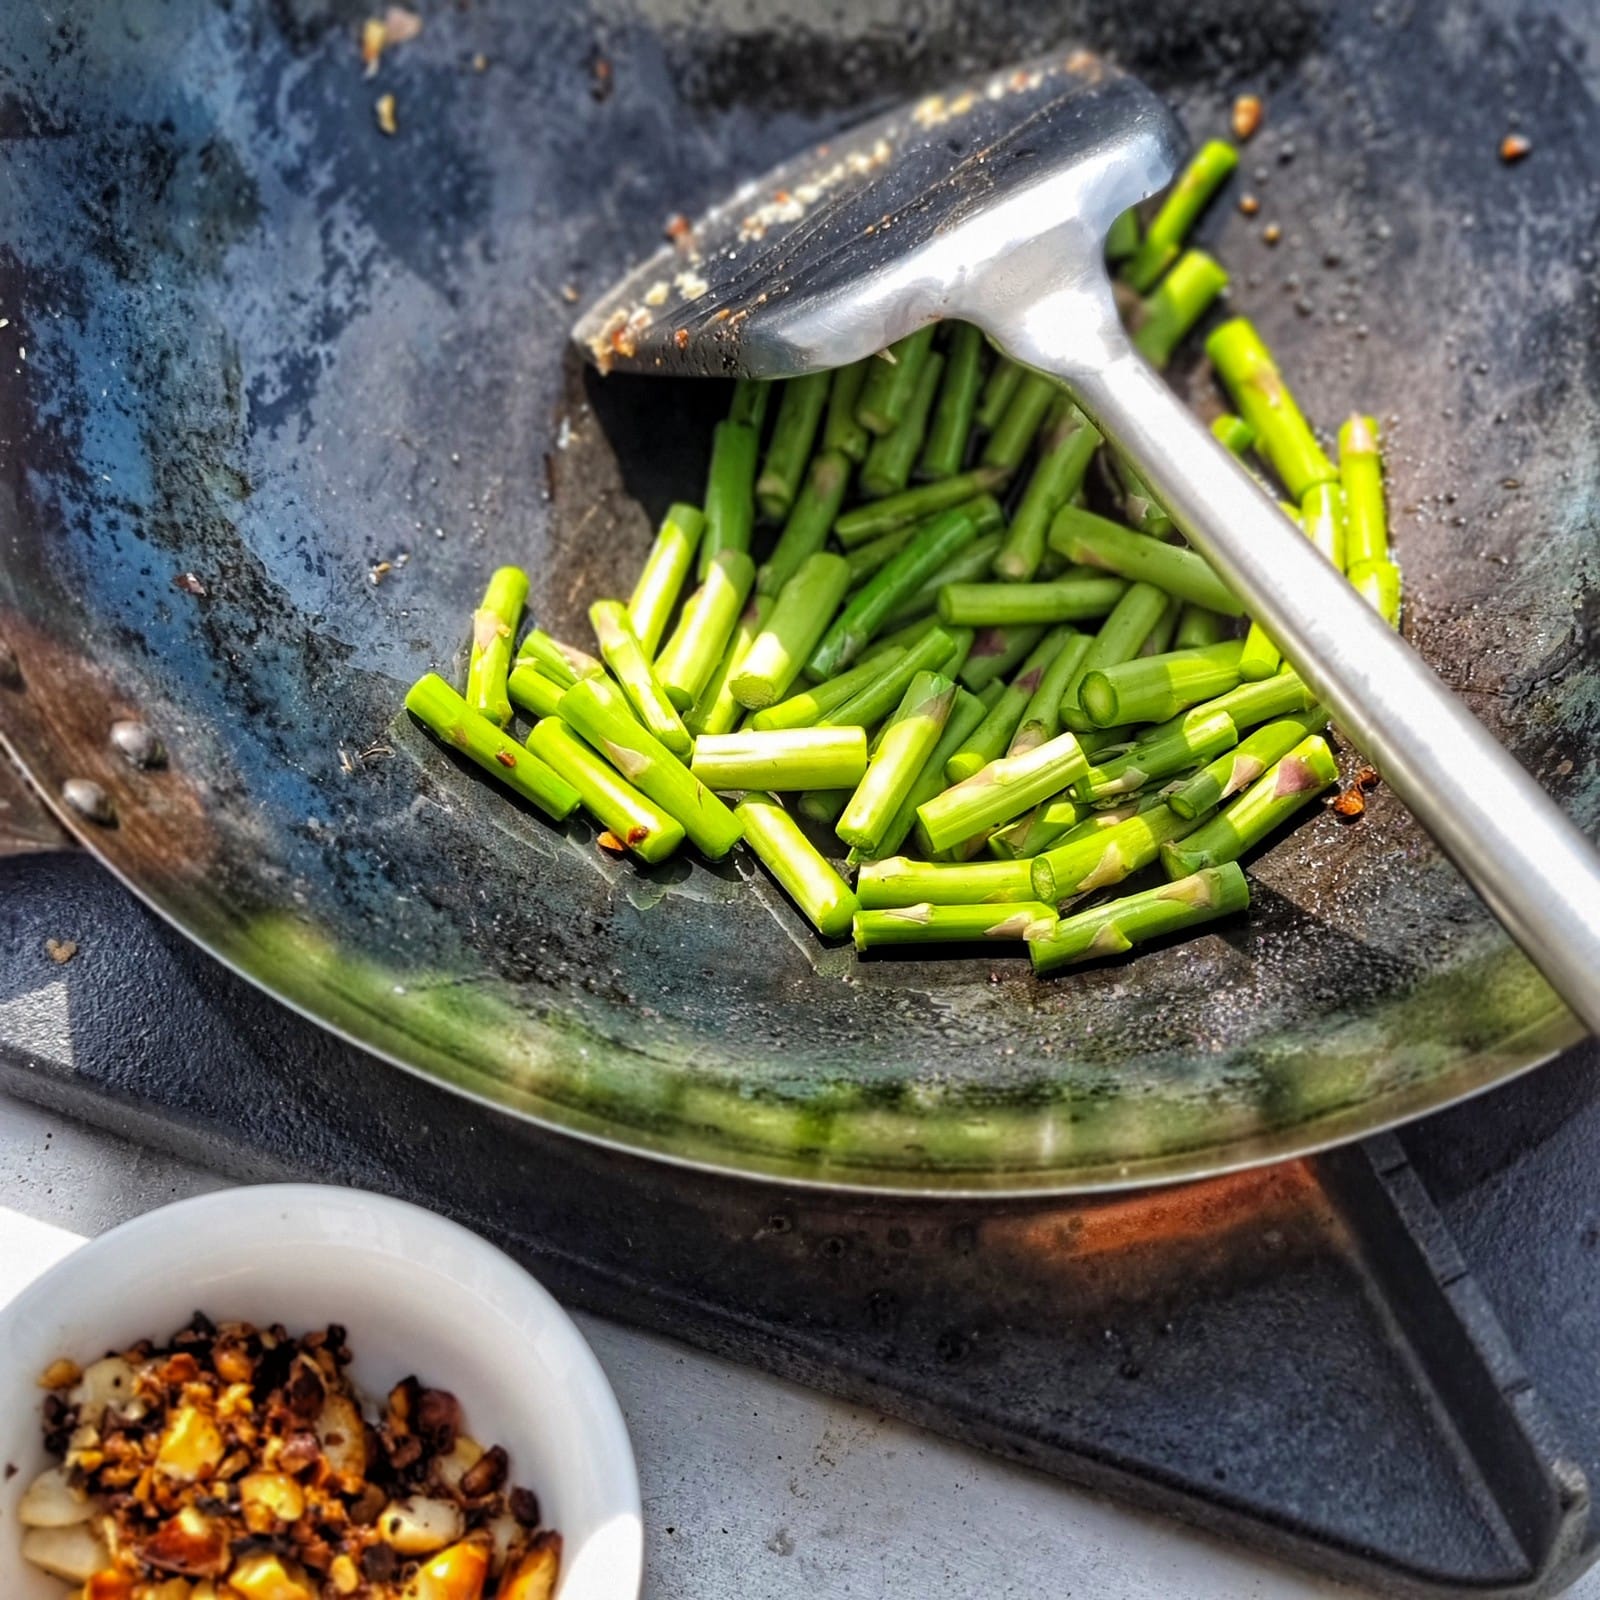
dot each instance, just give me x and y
(991, 203)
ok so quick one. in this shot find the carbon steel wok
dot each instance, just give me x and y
(269, 349)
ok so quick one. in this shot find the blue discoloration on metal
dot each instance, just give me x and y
(269, 348)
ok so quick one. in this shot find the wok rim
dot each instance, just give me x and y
(1483, 1069)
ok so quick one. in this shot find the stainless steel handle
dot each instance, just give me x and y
(1534, 869)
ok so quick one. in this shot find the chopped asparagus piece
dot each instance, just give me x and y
(665, 568)
(443, 712)
(783, 849)
(891, 382)
(1361, 469)
(1116, 927)
(790, 634)
(813, 513)
(1284, 438)
(1153, 688)
(899, 758)
(1026, 920)
(1004, 789)
(598, 710)
(621, 651)
(999, 605)
(914, 505)
(710, 614)
(1238, 768)
(1095, 860)
(730, 491)
(565, 663)
(789, 449)
(630, 817)
(790, 758)
(1207, 170)
(1290, 783)
(864, 614)
(946, 446)
(494, 626)
(887, 468)
(716, 711)
(1083, 537)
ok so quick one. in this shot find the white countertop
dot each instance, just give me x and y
(753, 1488)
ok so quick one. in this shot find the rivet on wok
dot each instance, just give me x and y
(138, 743)
(89, 800)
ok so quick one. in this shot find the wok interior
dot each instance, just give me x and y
(270, 434)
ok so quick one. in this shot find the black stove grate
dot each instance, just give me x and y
(1378, 1363)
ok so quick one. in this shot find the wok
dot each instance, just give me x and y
(269, 349)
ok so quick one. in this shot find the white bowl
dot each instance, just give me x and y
(417, 1294)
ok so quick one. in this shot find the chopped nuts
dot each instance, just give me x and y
(419, 1527)
(191, 1447)
(1514, 147)
(74, 1553)
(233, 1464)
(51, 1501)
(1248, 110)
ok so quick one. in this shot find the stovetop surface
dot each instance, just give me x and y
(1379, 1363)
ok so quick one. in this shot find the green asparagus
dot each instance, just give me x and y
(1283, 437)
(1004, 789)
(1097, 542)
(898, 760)
(1116, 927)
(1153, 688)
(1238, 768)
(445, 713)
(1207, 169)
(1293, 781)
(783, 849)
(1095, 860)
(946, 445)
(665, 568)
(790, 634)
(891, 382)
(632, 819)
(597, 710)
(930, 924)
(494, 626)
(800, 410)
(791, 758)
(812, 515)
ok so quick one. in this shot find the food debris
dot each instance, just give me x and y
(1248, 110)
(1249, 205)
(1514, 147)
(569, 293)
(378, 572)
(656, 294)
(61, 951)
(681, 338)
(1351, 801)
(189, 583)
(607, 840)
(480, 62)
(384, 111)
(601, 78)
(690, 285)
(1272, 233)
(395, 26)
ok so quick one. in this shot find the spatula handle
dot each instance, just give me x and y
(1534, 869)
